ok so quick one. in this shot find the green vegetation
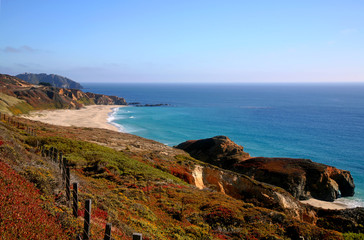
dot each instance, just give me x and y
(86, 101)
(354, 236)
(12, 105)
(98, 158)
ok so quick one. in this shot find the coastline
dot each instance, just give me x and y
(92, 116)
(325, 205)
(101, 116)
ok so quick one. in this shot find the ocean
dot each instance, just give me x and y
(321, 122)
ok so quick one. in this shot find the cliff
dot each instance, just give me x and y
(303, 178)
(53, 79)
(300, 177)
(45, 97)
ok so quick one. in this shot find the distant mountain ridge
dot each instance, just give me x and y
(53, 79)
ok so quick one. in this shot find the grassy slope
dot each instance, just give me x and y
(12, 105)
(136, 197)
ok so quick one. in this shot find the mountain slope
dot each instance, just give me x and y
(53, 79)
(18, 96)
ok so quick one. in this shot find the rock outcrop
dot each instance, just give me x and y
(242, 187)
(301, 177)
(219, 151)
(101, 99)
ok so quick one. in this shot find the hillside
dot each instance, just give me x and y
(140, 185)
(18, 96)
(53, 79)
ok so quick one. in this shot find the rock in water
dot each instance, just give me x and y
(303, 178)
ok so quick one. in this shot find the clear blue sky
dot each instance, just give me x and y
(185, 41)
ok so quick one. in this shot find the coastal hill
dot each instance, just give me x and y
(139, 185)
(18, 96)
(53, 79)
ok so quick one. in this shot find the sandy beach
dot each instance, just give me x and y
(324, 204)
(94, 116)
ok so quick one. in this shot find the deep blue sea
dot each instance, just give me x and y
(322, 122)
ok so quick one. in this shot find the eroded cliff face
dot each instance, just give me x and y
(242, 187)
(302, 178)
(40, 97)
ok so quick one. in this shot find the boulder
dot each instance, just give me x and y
(219, 151)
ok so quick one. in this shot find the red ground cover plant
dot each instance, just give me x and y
(21, 214)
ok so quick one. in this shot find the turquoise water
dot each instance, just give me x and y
(324, 123)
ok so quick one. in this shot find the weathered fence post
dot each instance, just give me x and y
(64, 164)
(108, 232)
(75, 200)
(60, 158)
(55, 155)
(86, 228)
(137, 236)
(68, 182)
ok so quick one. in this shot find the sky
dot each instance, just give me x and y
(184, 41)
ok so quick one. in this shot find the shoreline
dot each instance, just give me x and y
(92, 116)
(101, 116)
(325, 205)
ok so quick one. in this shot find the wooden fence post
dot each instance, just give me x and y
(68, 181)
(86, 228)
(75, 200)
(108, 232)
(60, 159)
(55, 155)
(64, 164)
(137, 236)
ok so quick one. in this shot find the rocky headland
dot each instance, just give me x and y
(302, 178)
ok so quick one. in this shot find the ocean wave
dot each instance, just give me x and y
(113, 117)
(351, 202)
(131, 117)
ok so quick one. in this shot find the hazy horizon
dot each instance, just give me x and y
(185, 42)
